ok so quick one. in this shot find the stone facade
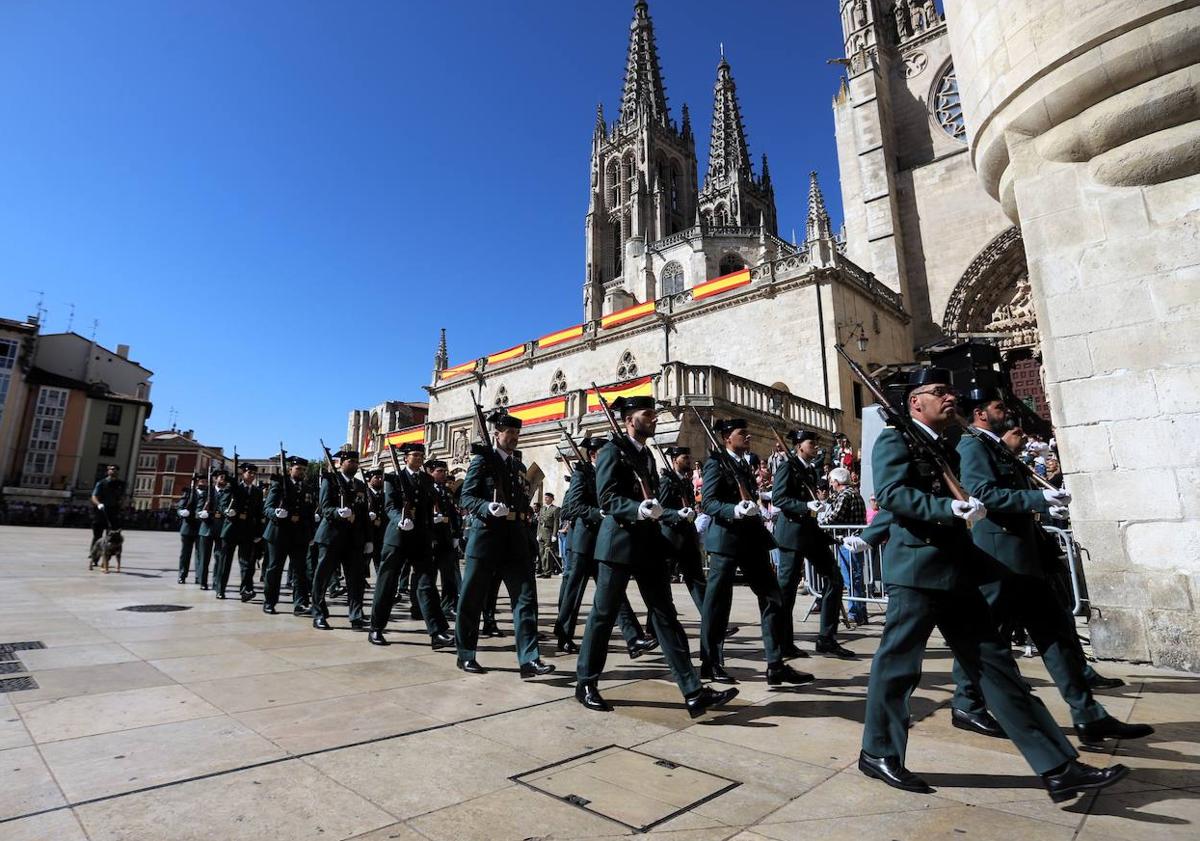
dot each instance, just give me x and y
(1084, 125)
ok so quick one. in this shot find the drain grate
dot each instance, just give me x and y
(631, 788)
(8, 647)
(17, 684)
(11, 668)
(155, 608)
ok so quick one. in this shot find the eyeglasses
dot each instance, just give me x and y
(939, 391)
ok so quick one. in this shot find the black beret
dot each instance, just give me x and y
(294, 461)
(412, 447)
(724, 427)
(927, 376)
(591, 443)
(502, 420)
(434, 464)
(673, 452)
(624, 406)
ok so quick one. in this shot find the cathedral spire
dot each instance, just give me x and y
(601, 129)
(728, 153)
(685, 130)
(643, 74)
(818, 225)
(766, 172)
(441, 360)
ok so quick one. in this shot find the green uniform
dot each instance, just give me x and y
(547, 538)
(287, 538)
(189, 530)
(208, 533)
(248, 502)
(1012, 577)
(445, 547)
(497, 546)
(340, 542)
(408, 495)
(225, 537)
(627, 547)
(675, 491)
(926, 569)
(799, 537)
(733, 544)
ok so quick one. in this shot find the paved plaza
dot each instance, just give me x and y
(220, 723)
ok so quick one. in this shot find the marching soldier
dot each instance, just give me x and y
(1012, 577)
(582, 506)
(799, 537)
(675, 490)
(409, 542)
(498, 542)
(289, 513)
(208, 532)
(927, 563)
(376, 516)
(224, 531)
(630, 545)
(447, 526)
(248, 503)
(189, 526)
(738, 539)
(341, 539)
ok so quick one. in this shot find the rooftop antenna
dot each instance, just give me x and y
(95, 327)
(41, 310)
(70, 317)
(173, 414)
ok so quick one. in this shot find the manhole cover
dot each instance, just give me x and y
(155, 608)
(16, 684)
(634, 789)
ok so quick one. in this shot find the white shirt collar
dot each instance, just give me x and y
(990, 434)
(636, 443)
(504, 454)
(933, 435)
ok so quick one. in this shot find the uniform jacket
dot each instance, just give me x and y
(677, 492)
(445, 533)
(409, 495)
(796, 527)
(497, 538)
(719, 495)
(206, 500)
(623, 538)
(338, 534)
(927, 545)
(246, 523)
(377, 525)
(297, 499)
(582, 507)
(548, 520)
(190, 501)
(1008, 535)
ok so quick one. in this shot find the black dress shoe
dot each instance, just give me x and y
(220, 595)
(781, 673)
(1099, 682)
(567, 647)
(248, 596)
(588, 695)
(698, 704)
(441, 640)
(183, 579)
(981, 723)
(471, 666)
(491, 631)
(301, 610)
(1095, 732)
(322, 624)
(1076, 778)
(535, 668)
(203, 586)
(716, 674)
(791, 652)
(731, 630)
(358, 624)
(640, 646)
(269, 608)
(377, 638)
(830, 646)
(889, 769)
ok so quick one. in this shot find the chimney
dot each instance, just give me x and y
(189, 434)
(123, 351)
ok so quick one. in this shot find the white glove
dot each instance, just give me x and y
(281, 513)
(1057, 497)
(407, 524)
(746, 508)
(374, 516)
(231, 511)
(203, 515)
(184, 513)
(855, 543)
(369, 548)
(497, 509)
(649, 510)
(688, 514)
(345, 513)
(972, 510)
(99, 506)
(316, 516)
(813, 505)
(439, 518)
(1060, 512)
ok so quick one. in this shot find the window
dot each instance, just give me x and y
(946, 105)
(627, 369)
(858, 400)
(172, 463)
(48, 415)
(147, 462)
(671, 279)
(144, 483)
(112, 415)
(168, 486)
(558, 385)
(731, 263)
(8, 359)
(108, 443)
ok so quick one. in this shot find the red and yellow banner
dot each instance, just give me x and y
(540, 411)
(641, 387)
(561, 336)
(457, 370)
(505, 355)
(628, 314)
(721, 284)
(409, 435)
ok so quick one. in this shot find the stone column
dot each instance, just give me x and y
(1084, 122)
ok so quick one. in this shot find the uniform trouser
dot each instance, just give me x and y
(291, 550)
(583, 567)
(247, 547)
(424, 573)
(718, 597)
(691, 567)
(493, 596)
(352, 563)
(1028, 601)
(963, 618)
(791, 570)
(517, 575)
(204, 552)
(547, 556)
(222, 558)
(446, 560)
(187, 546)
(652, 582)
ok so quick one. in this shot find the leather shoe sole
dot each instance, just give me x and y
(1095, 782)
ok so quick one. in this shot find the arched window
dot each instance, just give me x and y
(628, 174)
(618, 248)
(558, 385)
(730, 263)
(720, 215)
(612, 183)
(501, 398)
(670, 282)
(628, 369)
(676, 186)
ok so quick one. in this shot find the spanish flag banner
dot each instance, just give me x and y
(540, 411)
(641, 387)
(457, 370)
(626, 315)
(557, 338)
(409, 435)
(720, 284)
(505, 355)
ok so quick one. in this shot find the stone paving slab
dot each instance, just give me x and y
(221, 722)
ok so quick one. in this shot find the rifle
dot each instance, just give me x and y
(795, 462)
(1008, 454)
(620, 439)
(578, 452)
(192, 491)
(211, 493)
(484, 448)
(283, 466)
(905, 425)
(405, 506)
(335, 475)
(723, 458)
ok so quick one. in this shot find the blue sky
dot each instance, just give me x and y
(341, 179)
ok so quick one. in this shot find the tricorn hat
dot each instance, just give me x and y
(434, 463)
(927, 376)
(347, 454)
(728, 425)
(799, 436)
(674, 452)
(626, 406)
(296, 461)
(591, 443)
(249, 466)
(412, 447)
(501, 419)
